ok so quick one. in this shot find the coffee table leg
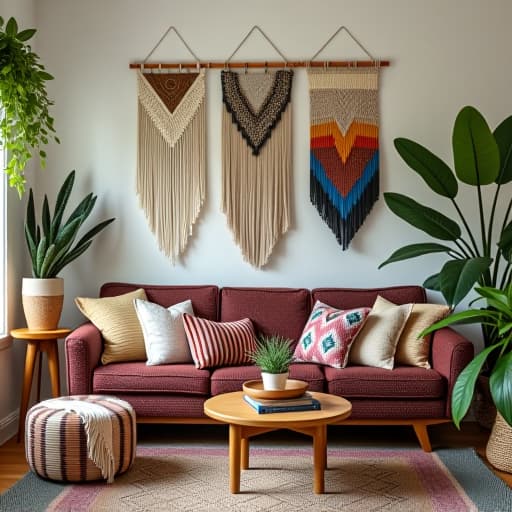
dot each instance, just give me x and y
(245, 453)
(319, 458)
(235, 447)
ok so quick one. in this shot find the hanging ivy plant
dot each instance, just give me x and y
(25, 123)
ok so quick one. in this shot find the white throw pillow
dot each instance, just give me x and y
(375, 344)
(164, 334)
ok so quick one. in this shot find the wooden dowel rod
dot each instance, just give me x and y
(291, 64)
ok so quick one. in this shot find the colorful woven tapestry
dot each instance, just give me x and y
(256, 159)
(171, 155)
(344, 149)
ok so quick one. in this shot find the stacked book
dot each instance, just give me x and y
(306, 402)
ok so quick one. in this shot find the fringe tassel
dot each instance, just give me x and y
(171, 180)
(256, 189)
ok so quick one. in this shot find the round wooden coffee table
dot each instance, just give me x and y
(244, 423)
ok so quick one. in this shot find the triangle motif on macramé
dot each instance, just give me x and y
(171, 87)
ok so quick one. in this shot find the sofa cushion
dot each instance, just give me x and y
(280, 311)
(215, 344)
(375, 344)
(402, 382)
(347, 298)
(225, 380)
(328, 335)
(117, 320)
(164, 334)
(139, 378)
(204, 298)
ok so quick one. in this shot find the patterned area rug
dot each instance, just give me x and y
(279, 479)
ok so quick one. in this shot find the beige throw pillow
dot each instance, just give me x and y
(376, 342)
(117, 320)
(411, 350)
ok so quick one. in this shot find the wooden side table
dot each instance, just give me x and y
(38, 342)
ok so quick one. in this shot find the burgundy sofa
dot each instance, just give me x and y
(176, 393)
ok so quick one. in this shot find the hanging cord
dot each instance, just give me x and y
(334, 35)
(175, 30)
(256, 27)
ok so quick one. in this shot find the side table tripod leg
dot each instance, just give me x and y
(52, 352)
(28, 375)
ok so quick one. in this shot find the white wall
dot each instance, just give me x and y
(12, 354)
(444, 55)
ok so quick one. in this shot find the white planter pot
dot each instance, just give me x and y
(42, 302)
(274, 381)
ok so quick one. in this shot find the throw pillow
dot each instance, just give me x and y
(115, 317)
(411, 350)
(164, 334)
(376, 342)
(328, 335)
(219, 343)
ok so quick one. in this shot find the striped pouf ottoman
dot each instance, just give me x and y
(80, 438)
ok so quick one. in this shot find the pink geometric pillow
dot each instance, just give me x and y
(328, 335)
(219, 343)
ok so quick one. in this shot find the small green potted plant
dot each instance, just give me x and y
(497, 317)
(273, 355)
(51, 247)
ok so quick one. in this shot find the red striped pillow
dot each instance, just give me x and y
(219, 343)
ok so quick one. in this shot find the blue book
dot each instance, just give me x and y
(260, 408)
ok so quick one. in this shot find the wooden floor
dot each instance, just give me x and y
(13, 464)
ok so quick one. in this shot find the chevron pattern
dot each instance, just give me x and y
(344, 148)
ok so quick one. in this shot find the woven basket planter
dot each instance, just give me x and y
(56, 441)
(499, 446)
(42, 302)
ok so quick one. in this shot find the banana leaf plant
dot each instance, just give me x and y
(498, 316)
(478, 254)
(51, 245)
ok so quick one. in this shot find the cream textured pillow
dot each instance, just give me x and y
(115, 317)
(164, 334)
(411, 350)
(376, 342)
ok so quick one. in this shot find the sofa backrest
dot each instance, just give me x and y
(281, 311)
(204, 298)
(348, 298)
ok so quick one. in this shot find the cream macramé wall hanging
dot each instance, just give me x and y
(171, 164)
(344, 145)
(256, 158)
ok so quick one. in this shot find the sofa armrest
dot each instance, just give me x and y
(83, 352)
(451, 353)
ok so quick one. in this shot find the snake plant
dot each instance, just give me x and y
(51, 244)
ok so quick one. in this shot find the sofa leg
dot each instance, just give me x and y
(422, 434)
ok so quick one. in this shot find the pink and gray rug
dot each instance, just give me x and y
(279, 479)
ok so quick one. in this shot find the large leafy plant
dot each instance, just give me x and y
(478, 254)
(51, 244)
(498, 317)
(25, 121)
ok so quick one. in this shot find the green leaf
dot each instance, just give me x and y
(469, 316)
(61, 202)
(503, 137)
(45, 219)
(11, 29)
(458, 277)
(41, 252)
(500, 384)
(69, 257)
(415, 250)
(47, 261)
(422, 217)
(25, 35)
(432, 283)
(45, 76)
(96, 229)
(505, 242)
(437, 175)
(30, 218)
(464, 387)
(475, 152)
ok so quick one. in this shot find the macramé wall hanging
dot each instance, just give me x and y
(171, 152)
(256, 157)
(344, 145)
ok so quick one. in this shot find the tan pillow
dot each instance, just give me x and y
(376, 342)
(117, 320)
(411, 350)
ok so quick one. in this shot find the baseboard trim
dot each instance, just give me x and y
(9, 426)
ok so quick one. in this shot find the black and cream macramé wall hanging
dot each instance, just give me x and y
(171, 152)
(344, 145)
(256, 158)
